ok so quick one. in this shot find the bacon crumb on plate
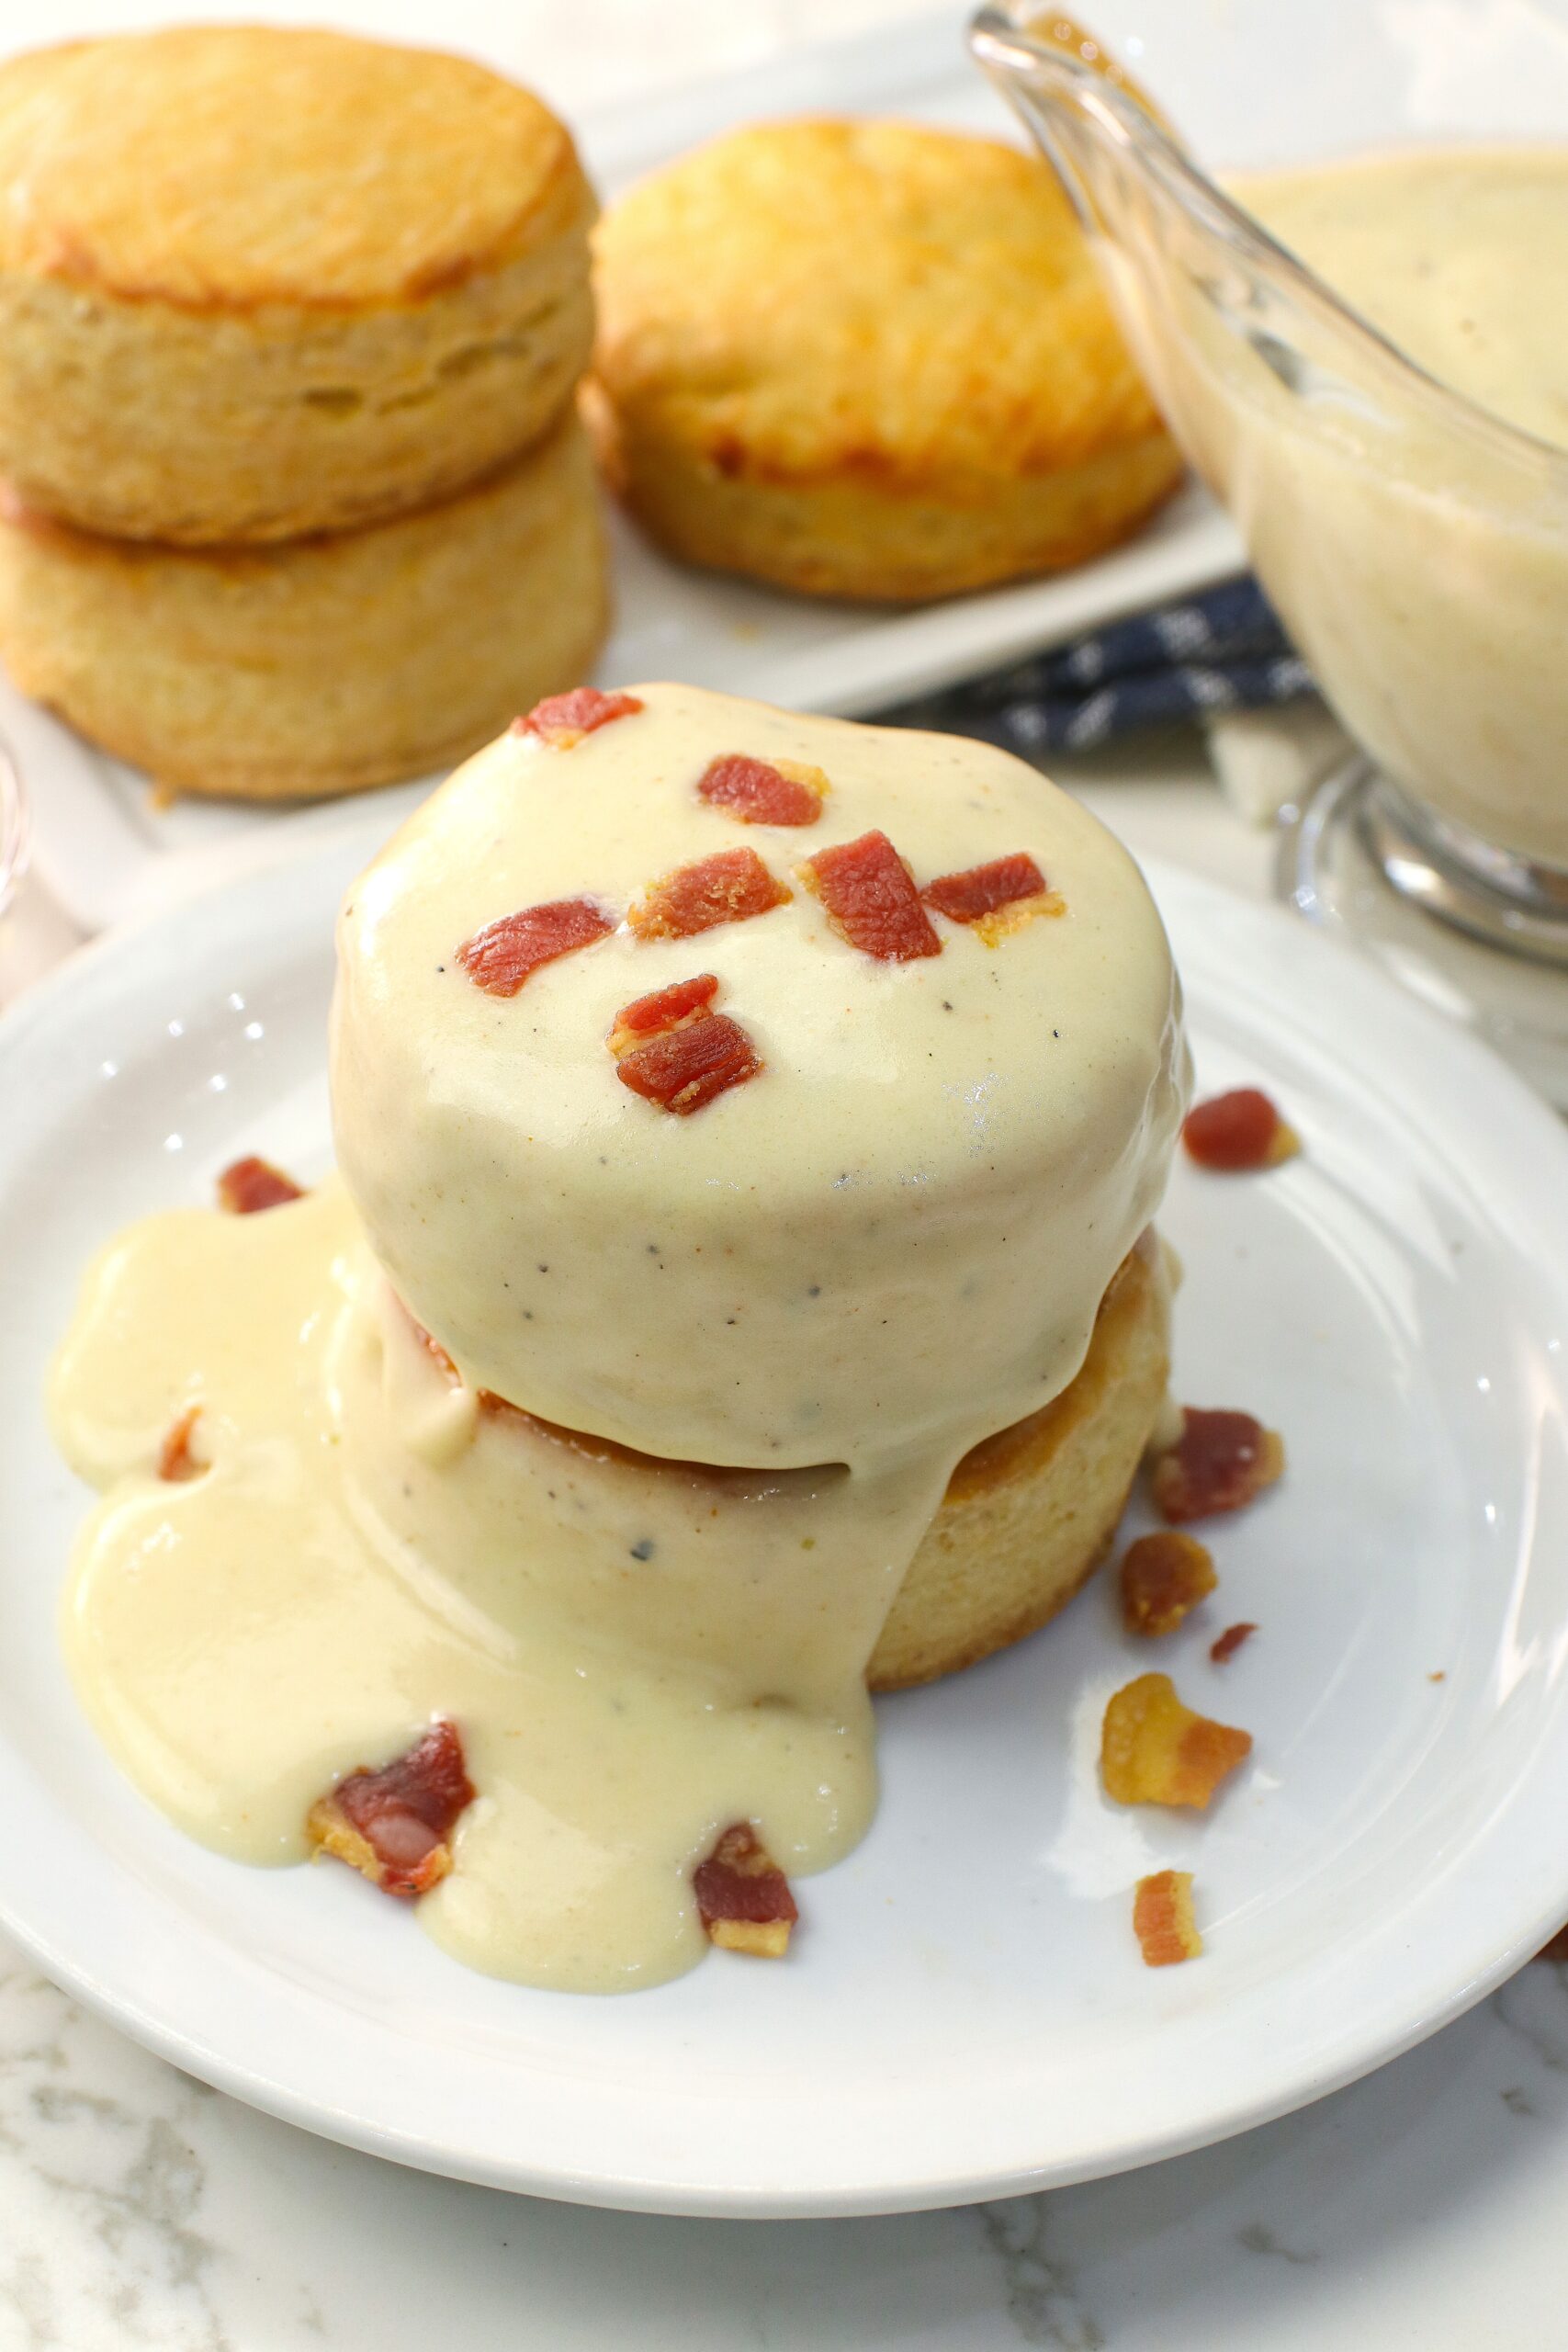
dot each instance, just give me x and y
(1163, 1919)
(395, 1823)
(676, 1007)
(176, 1463)
(248, 1186)
(688, 1067)
(1230, 1641)
(506, 952)
(1222, 1460)
(730, 887)
(866, 892)
(1164, 1576)
(562, 720)
(1155, 1750)
(763, 792)
(744, 1897)
(1238, 1132)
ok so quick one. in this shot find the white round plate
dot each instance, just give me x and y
(966, 2014)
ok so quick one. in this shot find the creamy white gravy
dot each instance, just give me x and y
(1460, 257)
(912, 1215)
(1421, 566)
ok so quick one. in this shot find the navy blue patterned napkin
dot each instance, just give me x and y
(1221, 651)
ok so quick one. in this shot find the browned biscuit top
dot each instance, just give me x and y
(878, 300)
(227, 167)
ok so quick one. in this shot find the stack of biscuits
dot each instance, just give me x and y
(296, 499)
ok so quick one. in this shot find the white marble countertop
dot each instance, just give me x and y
(1421, 2209)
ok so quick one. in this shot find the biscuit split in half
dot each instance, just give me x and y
(867, 359)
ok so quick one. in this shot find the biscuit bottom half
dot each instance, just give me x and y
(1030, 1513)
(874, 540)
(321, 665)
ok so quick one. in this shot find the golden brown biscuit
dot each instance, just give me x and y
(324, 664)
(1030, 1514)
(866, 359)
(256, 282)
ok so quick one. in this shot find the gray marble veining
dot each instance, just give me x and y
(1419, 2211)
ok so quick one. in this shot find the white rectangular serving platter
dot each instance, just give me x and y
(103, 847)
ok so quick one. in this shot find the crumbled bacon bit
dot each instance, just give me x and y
(981, 890)
(1221, 1461)
(763, 792)
(995, 899)
(676, 1007)
(1239, 1130)
(176, 1463)
(870, 899)
(1230, 1641)
(250, 1185)
(504, 954)
(730, 887)
(688, 1067)
(1556, 1947)
(1163, 1919)
(1163, 1577)
(564, 719)
(1154, 1750)
(395, 1823)
(744, 1897)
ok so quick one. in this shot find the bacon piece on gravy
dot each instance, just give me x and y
(249, 1185)
(1230, 1641)
(688, 1067)
(763, 792)
(1163, 1919)
(395, 1823)
(676, 1007)
(562, 720)
(996, 899)
(1154, 1750)
(176, 1463)
(730, 887)
(744, 1897)
(1238, 1131)
(865, 889)
(1221, 1462)
(504, 954)
(1163, 1577)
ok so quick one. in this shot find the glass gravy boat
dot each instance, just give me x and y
(1415, 545)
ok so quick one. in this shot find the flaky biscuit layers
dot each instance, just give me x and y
(893, 375)
(321, 665)
(257, 282)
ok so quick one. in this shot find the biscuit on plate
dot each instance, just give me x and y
(259, 281)
(324, 664)
(1030, 1513)
(866, 359)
